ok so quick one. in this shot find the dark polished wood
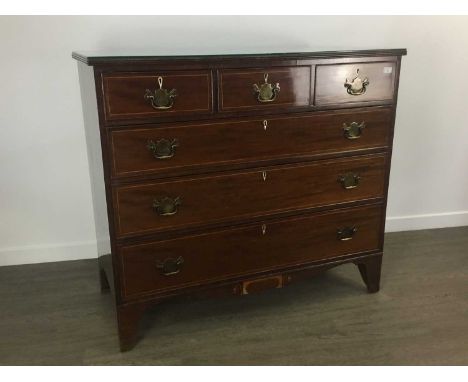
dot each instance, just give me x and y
(216, 65)
(236, 87)
(207, 188)
(244, 195)
(243, 141)
(128, 319)
(118, 57)
(370, 269)
(124, 94)
(330, 80)
(243, 251)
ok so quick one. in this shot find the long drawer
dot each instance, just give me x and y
(195, 260)
(187, 147)
(184, 203)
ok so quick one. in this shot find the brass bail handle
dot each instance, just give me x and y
(167, 206)
(163, 148)
(346, 233)
(170, 266)
(160, 98)
(349, 180)
(266, 92)
(353, 130)
(357, 85)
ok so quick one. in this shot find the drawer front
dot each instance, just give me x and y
(355, 83)
(193, 260)
(242, 195)
(186, 147)
(149, 95)
(250, 89)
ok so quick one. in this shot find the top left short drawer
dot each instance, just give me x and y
(150, 95)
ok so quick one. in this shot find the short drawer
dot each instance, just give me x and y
(355, 83)
(188, 147)
(200, 259)
(129, 96)
(250, 89)
(208, 200)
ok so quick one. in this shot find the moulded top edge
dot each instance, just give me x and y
(102, 58)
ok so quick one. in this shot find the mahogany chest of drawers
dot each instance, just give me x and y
(229, 174)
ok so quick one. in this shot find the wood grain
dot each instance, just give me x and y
(244, 195)
(115, 57)
(236, 87)
(230, 170)
(330, 80)
(246, 250)
(124, 93)
(214, 145)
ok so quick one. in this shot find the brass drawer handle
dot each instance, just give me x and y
(353, 130)
(163, 148)
(160, 99)
(346, 233)
(357, 85)
(349, 180)
(266, 92)
(166, 206)
(170, 266)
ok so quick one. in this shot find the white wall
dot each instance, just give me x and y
(45, 203)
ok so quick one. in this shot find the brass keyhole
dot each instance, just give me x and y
(264, 175)
(263, 229)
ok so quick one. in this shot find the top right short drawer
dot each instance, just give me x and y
(355, 83)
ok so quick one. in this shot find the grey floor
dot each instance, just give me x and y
(54, 314)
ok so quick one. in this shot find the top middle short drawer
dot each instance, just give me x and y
(263, 88)
(147, 95)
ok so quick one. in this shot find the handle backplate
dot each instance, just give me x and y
(166, 206)
(357, 85)
(266, 92)
(346, 233)
(349, 180)
(163, 148)
(160, 99)
(170, 266)
(353, 130)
